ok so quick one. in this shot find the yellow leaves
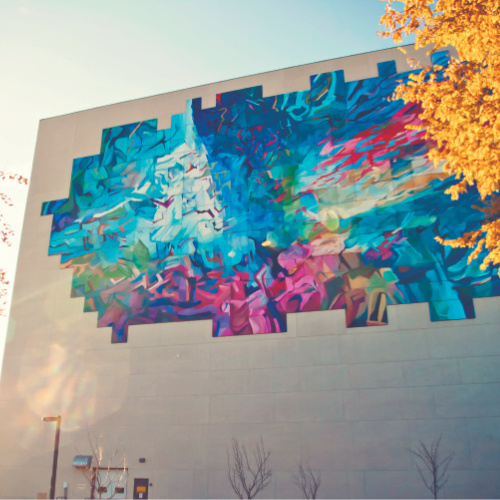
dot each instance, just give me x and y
(469, 26)
(460, 113)
(457, 189)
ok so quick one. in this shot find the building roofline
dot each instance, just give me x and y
(229, 79)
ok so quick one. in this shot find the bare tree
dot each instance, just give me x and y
(307, 481)
(247, 477)
(432, 469)
(105, 470)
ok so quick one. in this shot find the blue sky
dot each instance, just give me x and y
(60, 56)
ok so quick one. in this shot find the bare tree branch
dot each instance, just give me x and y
(432, 470)
(114, 465)
(307, 481)
(248, 477)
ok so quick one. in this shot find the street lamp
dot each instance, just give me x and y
(56, 451)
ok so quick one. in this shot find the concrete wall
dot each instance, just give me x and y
(350, 402)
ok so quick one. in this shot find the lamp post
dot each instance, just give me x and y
(56, 452)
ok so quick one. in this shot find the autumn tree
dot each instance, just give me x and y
(460, 102)
(6, 232)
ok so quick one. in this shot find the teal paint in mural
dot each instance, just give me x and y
(259, 207)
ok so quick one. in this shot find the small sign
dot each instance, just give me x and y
(141, 488)
(81, 486)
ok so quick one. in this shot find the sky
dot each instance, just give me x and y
(62, 56)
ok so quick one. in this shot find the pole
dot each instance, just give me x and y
(54, 460)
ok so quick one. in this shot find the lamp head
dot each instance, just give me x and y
(50, 419)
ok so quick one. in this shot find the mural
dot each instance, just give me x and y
(259, 207)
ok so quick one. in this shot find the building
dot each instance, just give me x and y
(260, 254)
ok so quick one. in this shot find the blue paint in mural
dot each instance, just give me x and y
(259, 207)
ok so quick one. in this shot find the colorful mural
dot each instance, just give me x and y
(259, 207)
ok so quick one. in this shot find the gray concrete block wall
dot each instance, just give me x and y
(350, 402)
(352, 413)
